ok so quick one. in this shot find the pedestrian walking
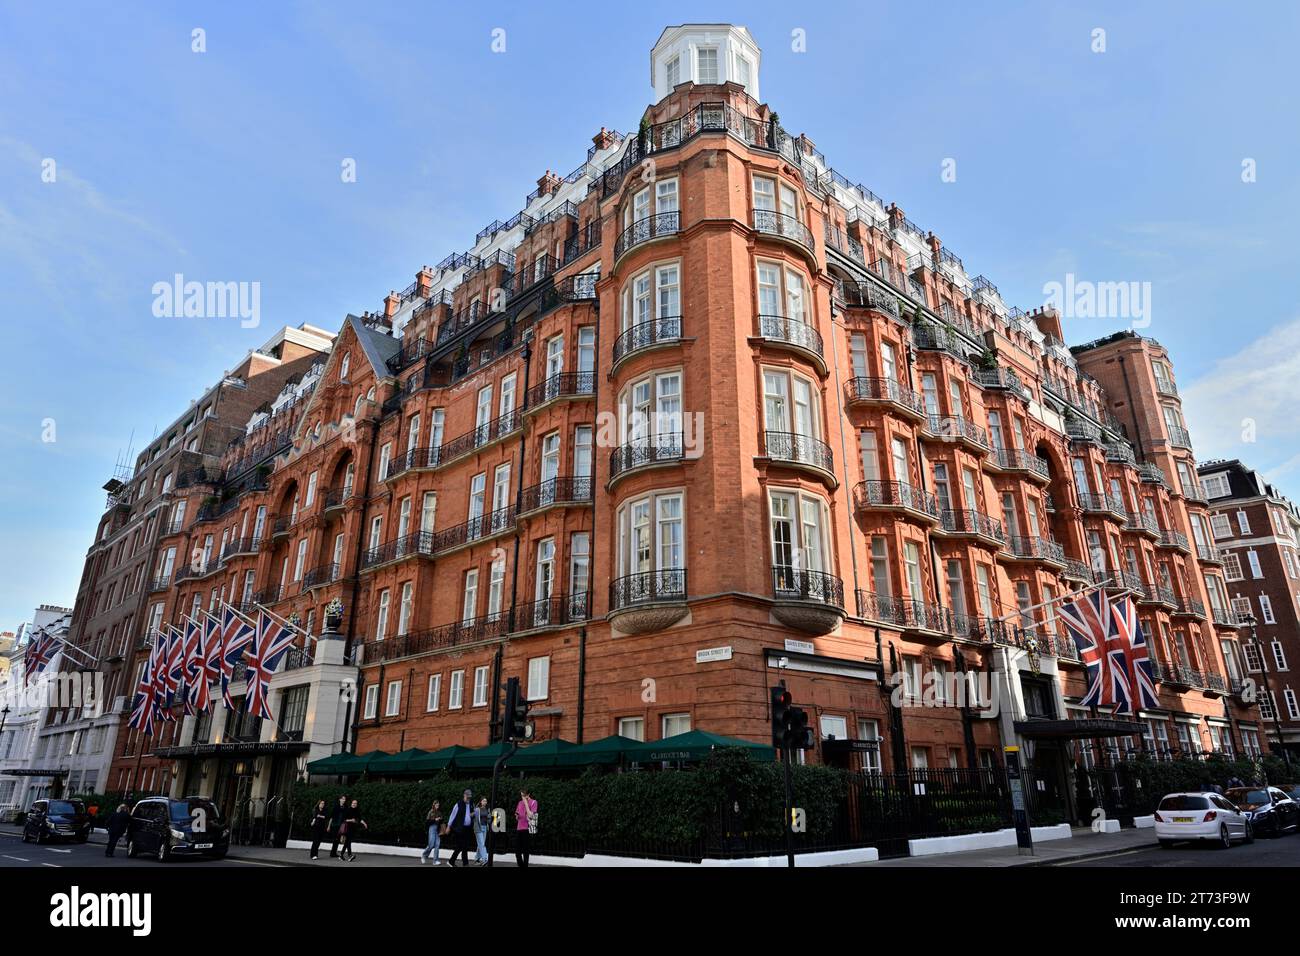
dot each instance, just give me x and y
(482, 820)
(118, 823)
(461, 827)
(434, 821)
(320, 819)
(336, 824)
(352, 824)
(525, 826)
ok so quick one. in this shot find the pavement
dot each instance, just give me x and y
(1084, 844)
(15, 853)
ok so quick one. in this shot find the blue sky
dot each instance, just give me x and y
(225, 165)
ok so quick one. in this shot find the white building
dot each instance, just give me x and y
(22, 711)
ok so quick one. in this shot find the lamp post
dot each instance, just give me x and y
(1263, 679)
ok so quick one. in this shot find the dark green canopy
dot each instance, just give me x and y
(606, 750)
(438, 759)
(482, 758)
(394, 763)
(345, 763)
(695, 745)
(549, 753)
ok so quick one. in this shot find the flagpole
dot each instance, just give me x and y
(289, 624)
(1020, 612)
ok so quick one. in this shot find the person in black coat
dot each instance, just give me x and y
(461, 824)
(118, 823)
(319, 822)
(336, 824)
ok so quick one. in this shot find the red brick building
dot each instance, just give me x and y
(143, 547)
(704, 415)
(1257, 532)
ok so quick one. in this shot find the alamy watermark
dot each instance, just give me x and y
(208, 300)
(1084, 299)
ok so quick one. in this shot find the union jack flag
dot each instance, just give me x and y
(191, 656)
(172, 667)
(40, 651)
(1137, 650)
(144, 707)
(1091, 623)
(236, 636)
(273, 640)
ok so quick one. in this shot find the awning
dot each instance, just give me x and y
(549, 753)
(696, 745)
(236, 748)
(484, 758)
(414, 761)
(1078, 729)
(606, 750)
(35, 773)
(344, 763)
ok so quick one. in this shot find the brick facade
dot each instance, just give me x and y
(705, 395)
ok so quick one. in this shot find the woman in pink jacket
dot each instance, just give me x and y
(525, 825)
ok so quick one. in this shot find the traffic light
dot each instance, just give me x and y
(801, 735)
(515, 724)
(781, 701)
(790, 730)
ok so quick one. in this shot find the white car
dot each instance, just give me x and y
(1201, 816)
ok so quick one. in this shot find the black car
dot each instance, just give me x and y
(1270, 810)
(57, 820)
(166, 827)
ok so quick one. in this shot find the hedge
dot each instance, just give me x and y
(610, 811)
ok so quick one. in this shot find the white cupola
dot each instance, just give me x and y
(704, 53)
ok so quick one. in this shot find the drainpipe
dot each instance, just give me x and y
(582, 634)
(519, 478)
(582, 678)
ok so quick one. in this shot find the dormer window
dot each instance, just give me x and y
(742, 71)
(706, 65)
(673, 71)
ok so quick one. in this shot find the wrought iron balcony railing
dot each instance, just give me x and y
(1142, 523)
(556, 491)
(778, 328)
(1209, 554)
(799, 449)
(647, 587)
(160, 583)
(772, 223)
(791, 583)
(240, 546)
(485, 526)
(1159, 594)
(320, 575)
(408, 545)
(561, 385)
(865, 389)
(1180, 436)
(413, 643)
(479, 436)
(643, 335)
(1190, 607)
(956, 428)
(1017, 459)
(1151, 473)
(971, 522)
(1102, 504)
(1036, 549)
(1117, 451)
(895, 494)
(1172, 539)
(336, 497)
(555, 611)
(662, 448)
(643, 230)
